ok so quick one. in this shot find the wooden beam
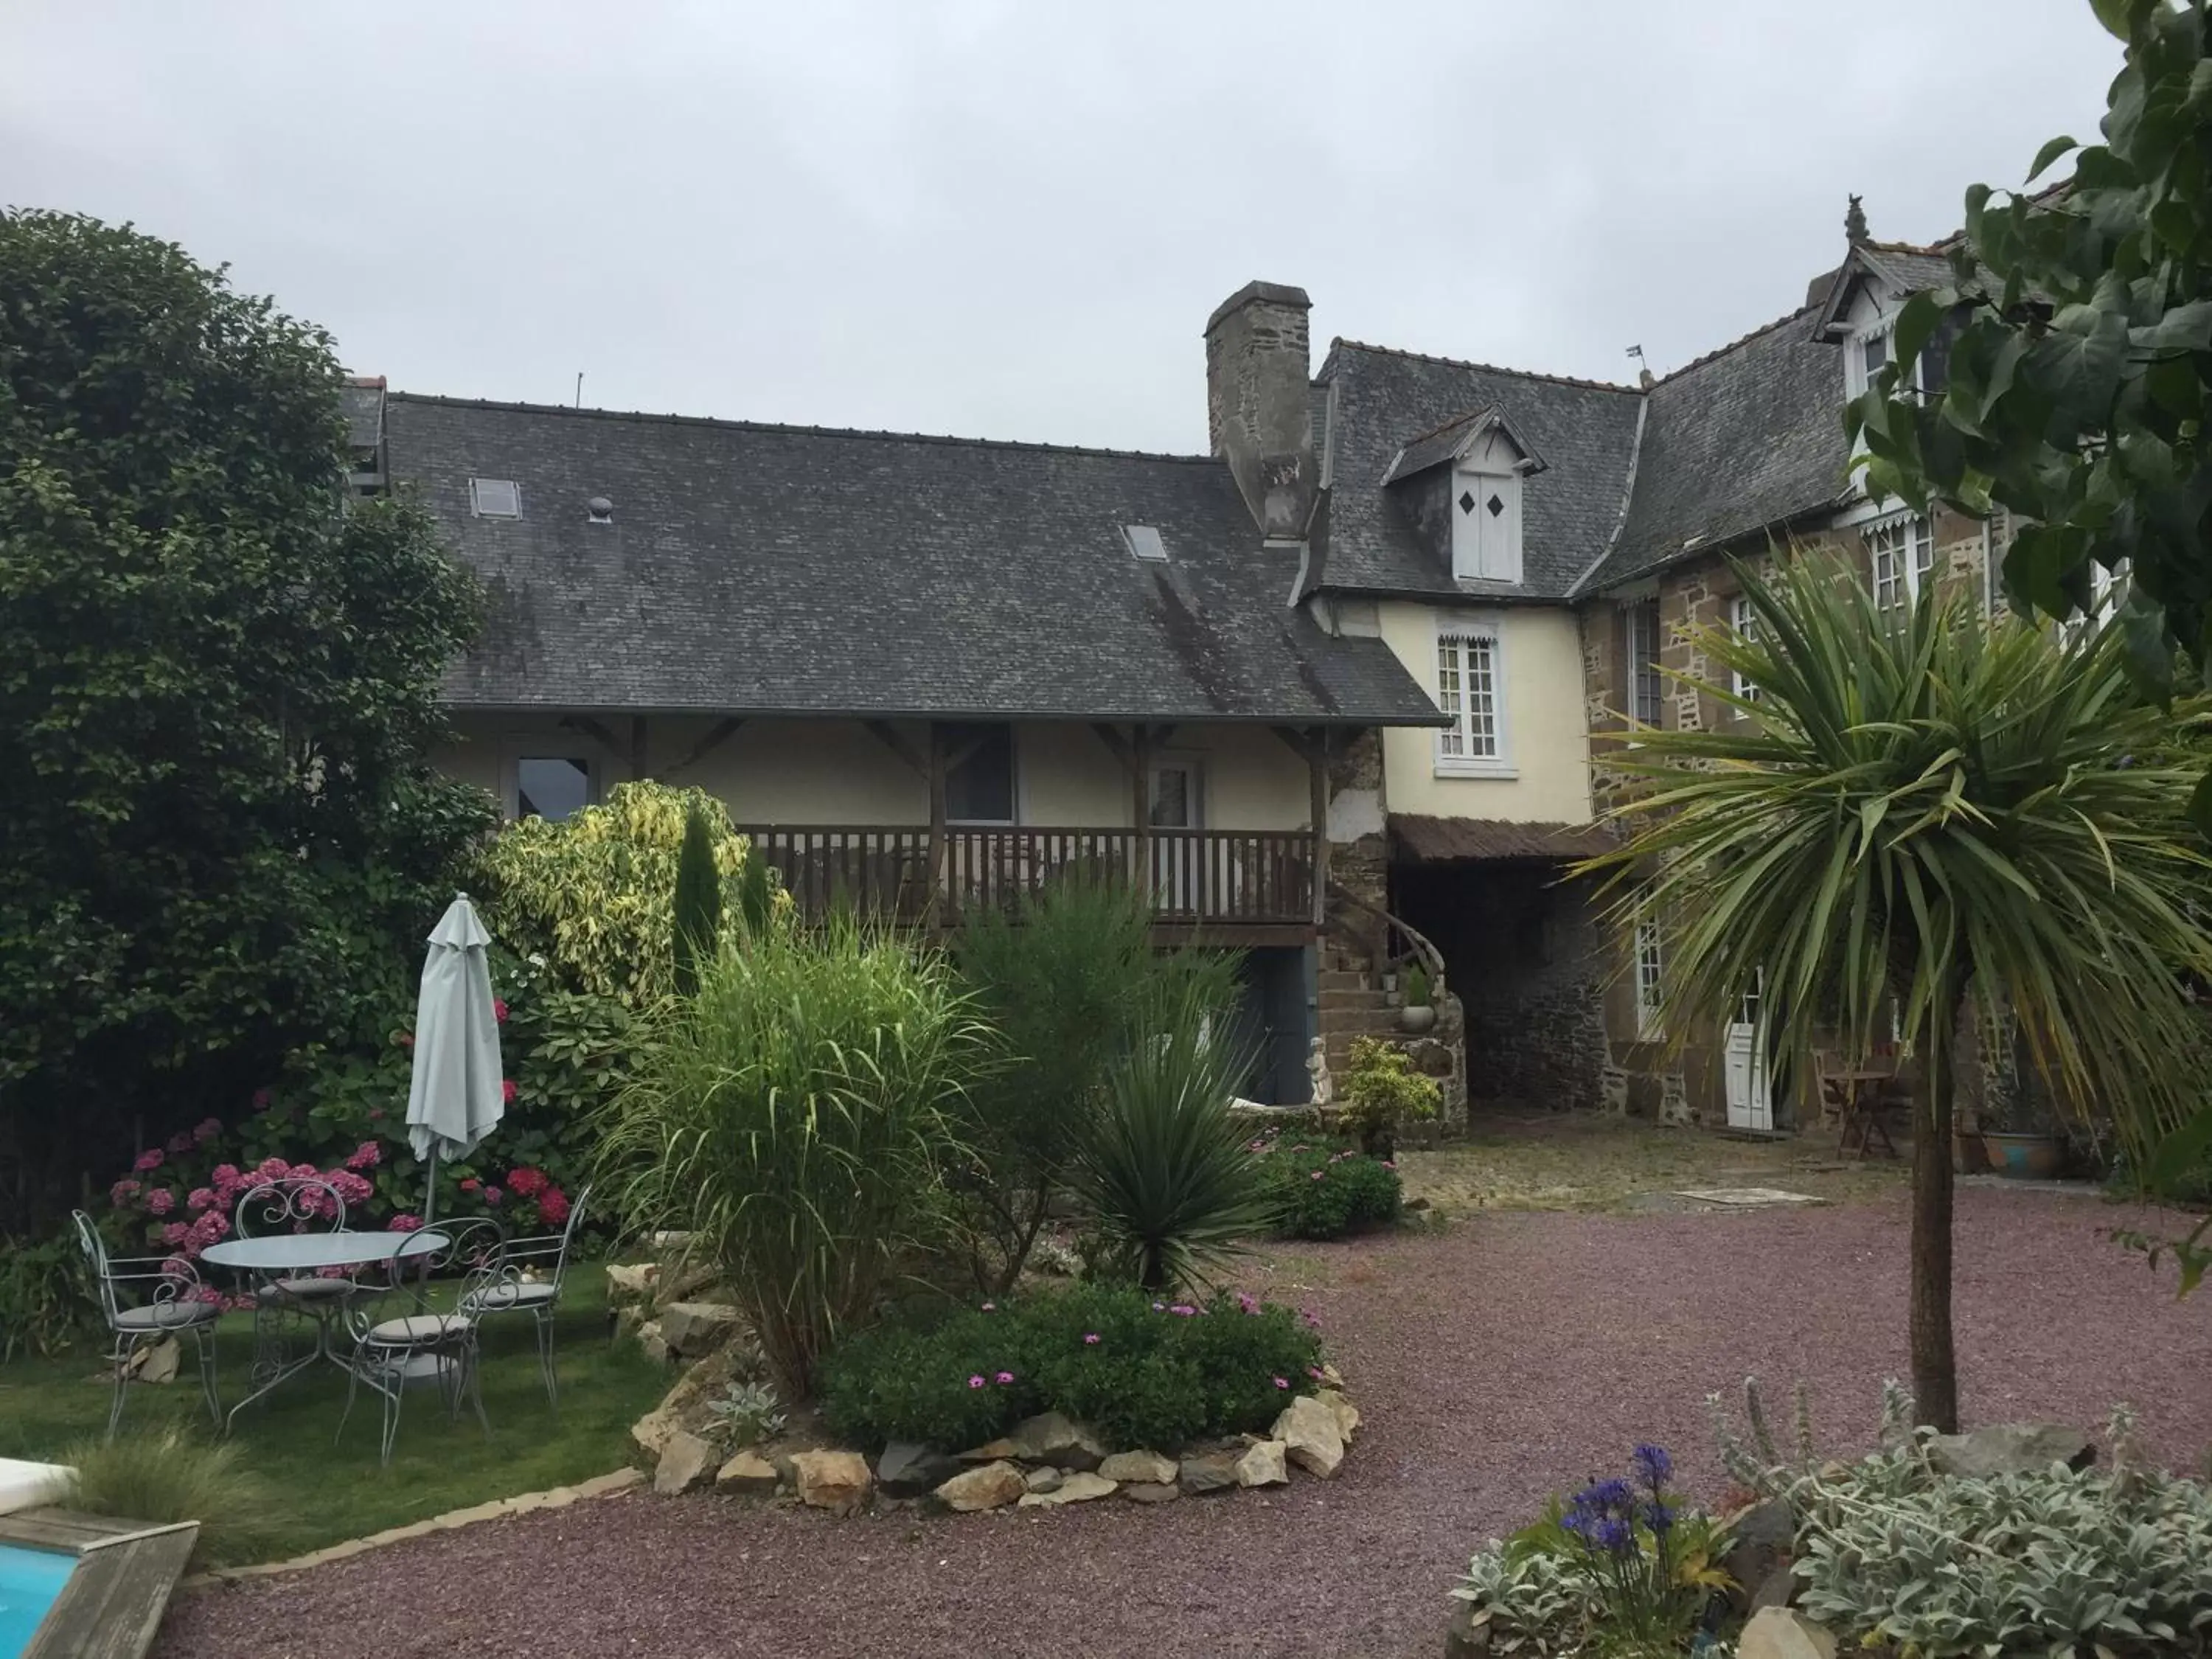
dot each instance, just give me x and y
(934, 772)
(722, 732)
(1317, 793)
(1116, 745)
(1300, 743)
(893, 739)
(593, 730)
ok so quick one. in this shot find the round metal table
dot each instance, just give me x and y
(287, 1256)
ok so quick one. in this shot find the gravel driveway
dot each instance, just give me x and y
(1510, 1355)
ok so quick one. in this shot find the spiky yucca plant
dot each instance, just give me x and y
(1924, 805)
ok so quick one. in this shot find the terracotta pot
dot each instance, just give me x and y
(1417, 1018)
(2024, 1157)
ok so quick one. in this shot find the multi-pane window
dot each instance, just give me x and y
(1745, 620)
(1467, 692)
(1646, 683)
(551, 786)
(1650, 1022)
(1903, 552)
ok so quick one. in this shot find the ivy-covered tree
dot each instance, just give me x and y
(2077, 341)
(219, 834)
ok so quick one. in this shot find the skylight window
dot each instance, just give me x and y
(1144, 542)
(496, 498)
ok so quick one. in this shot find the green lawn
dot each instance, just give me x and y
(336, 1488)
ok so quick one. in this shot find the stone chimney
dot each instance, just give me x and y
(1258, 416)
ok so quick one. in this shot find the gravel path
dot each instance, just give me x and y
(1509, 1356)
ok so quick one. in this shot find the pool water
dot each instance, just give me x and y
(29, 1582)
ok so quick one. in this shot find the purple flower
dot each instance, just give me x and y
(1611, 1536)
(975, 1381)
(1312, 1323)
(1091, 1339)
(1652, 1465)
(1006, 1377)
(1248, 1302)
(1282, 1381)
(1660, 1517)
(1183, 1310)
(1159, 1307)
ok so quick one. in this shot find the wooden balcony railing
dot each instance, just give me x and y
(1196, 877)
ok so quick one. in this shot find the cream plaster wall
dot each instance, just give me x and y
(1547, 738)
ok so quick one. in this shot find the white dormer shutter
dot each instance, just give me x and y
(1486, 526)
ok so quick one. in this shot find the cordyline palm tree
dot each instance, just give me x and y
(1917, 808)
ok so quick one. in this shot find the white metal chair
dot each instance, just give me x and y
(296, 1204)
(144, 1299)
(401, 1340)
(538, 1264)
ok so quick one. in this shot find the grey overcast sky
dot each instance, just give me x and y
(1009, 220)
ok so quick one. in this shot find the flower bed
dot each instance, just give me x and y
(1325, 1189)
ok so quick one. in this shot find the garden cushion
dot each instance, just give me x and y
(166, 1316)
(498, 1296)
(416, 1327)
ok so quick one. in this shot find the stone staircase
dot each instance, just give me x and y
(1352, 1004)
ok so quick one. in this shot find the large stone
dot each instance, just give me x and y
(653, 1343)
(1048, 1438)
(1142, 1467)
(683, 1281)
(834, 1480)
(2010, 1448)
(651, 1433)
(986, 1487)
(1308, 1433)
(1151, 1492)
(1341, 1408)
(1785, 1633)
(909, 1469)
(693, 1329)
(1261, 1465)
(1080, 1488)
(158, 1363)
(1208, 1472)
(1761, 1540)
(747, 1475)
(1468, 1636)
(630, 1283)
(1779, 1588)
(1047, 1478)
(687, 1463)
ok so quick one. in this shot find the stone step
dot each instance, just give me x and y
(1351, 1001)
(1341, 979)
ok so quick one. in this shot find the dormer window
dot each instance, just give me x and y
(1486, 526)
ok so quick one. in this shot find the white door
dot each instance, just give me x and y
(1743, 1063)
(1178, 802)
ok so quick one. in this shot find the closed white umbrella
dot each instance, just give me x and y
(456, 1095)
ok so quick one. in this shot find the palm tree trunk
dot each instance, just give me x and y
(1934, 1363)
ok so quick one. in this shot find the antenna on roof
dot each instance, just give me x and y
(579, 388)
(1644, 375)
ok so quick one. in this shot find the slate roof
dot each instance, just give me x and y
(1584, 430)
(1739, 442)
(789, 570)
(1432, 840)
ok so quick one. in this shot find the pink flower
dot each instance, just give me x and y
(471, 1185)
(181, 1142)
(1006, 1377)
(974, 1382)
(1317, 1374)
(304, 1172)
(507, 1090)
(148, 1159)
(405, 1223)
(175, 1234)
(227, 1176)
(213, 1226)
(261, 1099)
(376, 1115)
(272, 1168)
(201, 1199)
(493, 1195)
(350, 1186)
(499, 1010)
(161, 1201)
(1282, 1381)
(1183, 1310)
(367, 1156)
(526, 1182)
(1248, 1302)
(1312, 1323)
(123, 1192)
(1091, 1339)
(1389, 1164)
(553, 1207)
(207, 1129)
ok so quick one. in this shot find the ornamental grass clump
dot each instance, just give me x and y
(794, 1114)
(172, 1476)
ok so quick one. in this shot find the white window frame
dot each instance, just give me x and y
(1639, 611)
(1454, 744)
(1745, 620)
(477, 500)
(1651, 966)
(1907, 542)
(2106, 589)
(1855, 377)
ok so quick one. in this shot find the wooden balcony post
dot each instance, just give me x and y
(935, 912)
(1141, 782)
(1317, 785)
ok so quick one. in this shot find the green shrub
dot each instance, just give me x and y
(793, 1115)
(1164, 1170)
(1158, 1373)
(1322, 1190)
(45, 1297)
(2115, 1559)
(1382, 1091)
(698, 904)
(170, 1477)
(1417, 987)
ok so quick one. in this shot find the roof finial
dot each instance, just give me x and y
(1855, 226)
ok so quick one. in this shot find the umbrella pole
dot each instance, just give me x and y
(430, 1198)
